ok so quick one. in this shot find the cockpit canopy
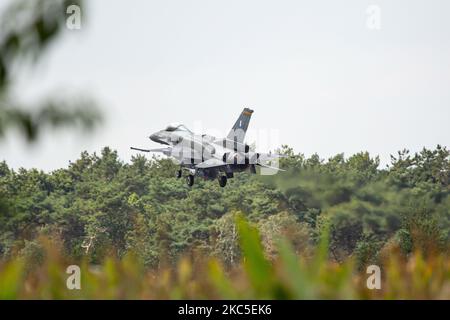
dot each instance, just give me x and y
(177, 127)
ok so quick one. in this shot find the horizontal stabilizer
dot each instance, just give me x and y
(270, 167)
(270, 156)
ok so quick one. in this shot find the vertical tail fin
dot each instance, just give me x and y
(237, 133)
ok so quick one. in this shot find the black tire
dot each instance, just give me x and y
(179, 174)
(190, 180)
(222, 181)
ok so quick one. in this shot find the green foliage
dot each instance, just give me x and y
(254, 277)
(100, 206)
(27, 30)
(339, 215)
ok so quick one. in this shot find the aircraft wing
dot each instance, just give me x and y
(211, 163)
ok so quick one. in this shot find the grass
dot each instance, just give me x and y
(255, 277)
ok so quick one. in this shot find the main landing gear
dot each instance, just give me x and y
(222, 181)
(190, 179)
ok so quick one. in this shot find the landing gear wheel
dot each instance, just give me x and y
(179, 174)
(222, 181)
(190, 180)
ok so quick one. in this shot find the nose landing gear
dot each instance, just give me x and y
(190, 180)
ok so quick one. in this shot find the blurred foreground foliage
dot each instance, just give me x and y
(125, 221)
(27, 30)
(289, 276)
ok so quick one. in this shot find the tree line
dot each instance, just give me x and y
(100, 206)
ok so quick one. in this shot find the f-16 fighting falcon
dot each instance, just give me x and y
(208, 157)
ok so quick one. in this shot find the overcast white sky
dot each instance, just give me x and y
(311, 70)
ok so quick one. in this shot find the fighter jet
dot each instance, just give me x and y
(208, 157)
